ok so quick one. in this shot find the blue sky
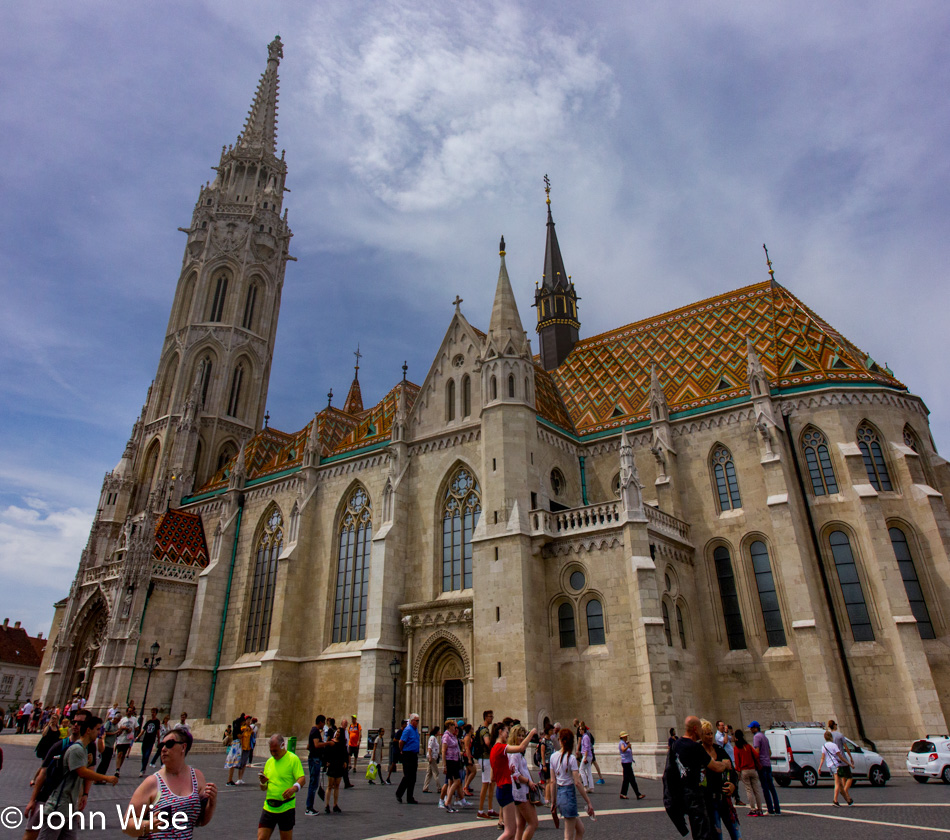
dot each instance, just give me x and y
(678, 138)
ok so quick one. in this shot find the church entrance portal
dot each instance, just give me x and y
(442, 684)
(453, 699)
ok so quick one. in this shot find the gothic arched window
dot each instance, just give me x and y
(729, 596)
(820, 470)
(511, 386)
(595, 623)
(234, 399)
(352, 577)
(249, 303)
(915, 594)
(727, 485)
(870, 445)
(768, 597)
(220, 293)
(565, 625)
(228, 451)
(264, 583)
(667, 627)
(494, 388)
(450, 400)
(681, 626)
(205, 367)
(851, 590)
(461, 508)
(466, 396)
(168, 383)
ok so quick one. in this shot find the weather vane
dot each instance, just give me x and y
(771, 271)
(547, 188)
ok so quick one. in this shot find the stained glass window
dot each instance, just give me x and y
(461, 508)
(727, 485)
(352, 577)
(870, 445)
(264, 583)
(818, 460)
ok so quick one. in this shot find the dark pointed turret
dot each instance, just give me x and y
(354, 399)
(555, 300)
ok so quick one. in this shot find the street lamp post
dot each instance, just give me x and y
(394, 668)
(150, 663)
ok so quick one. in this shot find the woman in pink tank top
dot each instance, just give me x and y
(178, 794)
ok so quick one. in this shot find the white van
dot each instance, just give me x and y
(796, 755)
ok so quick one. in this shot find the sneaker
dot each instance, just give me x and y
(336, 809)
(230, 784)
(451, 810)
(327, 809)
(141, 774)
(492, 812)
(371, 782)
(442, 804)
(311, 813)
(239, 782)
(601, 782)
(482, 815)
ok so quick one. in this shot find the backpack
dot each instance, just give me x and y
(478, 745)
(674, 801)
(55, 770)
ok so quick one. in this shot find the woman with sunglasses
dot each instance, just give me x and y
(177, 789)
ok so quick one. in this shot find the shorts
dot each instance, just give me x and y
(452, 769)
(245, 758)
(844, 772)
(503, 795)
(283, 821)
(485, 766)
(544, 773)
(355, 750)
(567, 801)
(122, 749)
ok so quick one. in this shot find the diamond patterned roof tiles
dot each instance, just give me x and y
(700, 355)
(180, 538)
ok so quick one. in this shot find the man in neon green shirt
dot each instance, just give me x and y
(282, 779)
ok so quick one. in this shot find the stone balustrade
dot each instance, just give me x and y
(600, 517)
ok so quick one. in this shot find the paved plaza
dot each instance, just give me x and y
(901, 809)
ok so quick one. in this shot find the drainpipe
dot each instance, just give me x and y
(829, 601)
(580, 459)
(135, 656)
(227, 598)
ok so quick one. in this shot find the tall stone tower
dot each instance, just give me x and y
(210, 389)
(208, 396)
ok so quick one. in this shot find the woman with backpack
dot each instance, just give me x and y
(747, 766)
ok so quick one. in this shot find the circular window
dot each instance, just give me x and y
(557, 481)
(577, 580)
(459, 360)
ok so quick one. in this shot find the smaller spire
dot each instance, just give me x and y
(238, 471)
(354, 399)
(505, 319)
(314, 447)
(659, 409)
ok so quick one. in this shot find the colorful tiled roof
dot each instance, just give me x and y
(272, 451)
(17, 647)
(548, 402)
(180, 538)
(701, 358)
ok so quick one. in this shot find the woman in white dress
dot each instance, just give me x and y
(521, 784)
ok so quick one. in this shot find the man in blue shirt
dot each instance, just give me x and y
(409, 750)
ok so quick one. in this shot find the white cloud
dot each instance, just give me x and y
(428, 122)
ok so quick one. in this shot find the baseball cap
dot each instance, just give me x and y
(754, 725)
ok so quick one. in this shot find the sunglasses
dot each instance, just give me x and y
(171, 743)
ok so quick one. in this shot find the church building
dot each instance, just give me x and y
(726, 509)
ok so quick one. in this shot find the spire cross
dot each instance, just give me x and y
(771, 271)
(547, 188)
(266, 419)
(458, 304)
(358, 357)
(405, 367)
(330, 398)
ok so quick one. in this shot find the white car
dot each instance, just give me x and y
(796, 756)
(929, 758)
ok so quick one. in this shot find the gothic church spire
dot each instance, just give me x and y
(555, 300)
(505, 321)
(260, 129)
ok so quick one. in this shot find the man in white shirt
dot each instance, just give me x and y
(123, 741)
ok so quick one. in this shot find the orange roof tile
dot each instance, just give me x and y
(180, 538)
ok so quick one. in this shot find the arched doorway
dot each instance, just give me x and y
(442, 684)
(85, 649)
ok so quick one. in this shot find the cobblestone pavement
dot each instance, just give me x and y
(902, 809)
